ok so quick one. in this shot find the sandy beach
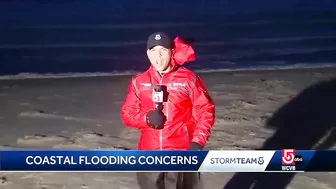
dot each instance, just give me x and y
(254, 110)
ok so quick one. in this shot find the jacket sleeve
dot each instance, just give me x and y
(203, 112)
(131, 116)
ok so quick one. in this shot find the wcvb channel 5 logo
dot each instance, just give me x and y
(290, 159)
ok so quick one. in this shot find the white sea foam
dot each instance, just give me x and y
(240, 41)
(249, 41)
(270, 51)
(133, 72)
(77, 45)
(107, 26)
(271, 67)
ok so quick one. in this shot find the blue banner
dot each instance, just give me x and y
(101, 160)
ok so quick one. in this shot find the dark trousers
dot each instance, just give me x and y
(169, 180)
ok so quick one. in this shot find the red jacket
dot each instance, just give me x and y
(189, 109)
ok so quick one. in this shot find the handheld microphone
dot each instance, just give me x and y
(157, 97)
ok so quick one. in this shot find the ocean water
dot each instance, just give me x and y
(50, 43)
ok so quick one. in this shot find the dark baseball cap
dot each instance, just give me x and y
(159, 38)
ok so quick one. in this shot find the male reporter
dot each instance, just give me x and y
(187, 114)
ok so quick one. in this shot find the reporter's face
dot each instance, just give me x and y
(159, 57)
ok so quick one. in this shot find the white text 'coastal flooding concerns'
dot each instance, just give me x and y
(111, 160)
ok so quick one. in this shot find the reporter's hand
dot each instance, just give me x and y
(155, 119)
(195, 146)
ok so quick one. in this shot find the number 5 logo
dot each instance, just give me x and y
(156, 98)
(288, 156)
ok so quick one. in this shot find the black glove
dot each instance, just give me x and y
(195, 146)
(155, 119)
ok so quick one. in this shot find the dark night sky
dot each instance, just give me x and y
(30, 11)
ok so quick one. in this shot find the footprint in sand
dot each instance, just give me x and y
(3, 180)
(244, 104)
(232, 119)
(24, 103)
(93, 140)
(43, 97)
(39, 140)
(249, 143)
(90, 140)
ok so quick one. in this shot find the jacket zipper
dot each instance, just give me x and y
(161, 129)
(166, 108)
(187, 133)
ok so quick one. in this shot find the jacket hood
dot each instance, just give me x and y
(183, 53)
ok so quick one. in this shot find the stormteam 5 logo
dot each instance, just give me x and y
(289, 159)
